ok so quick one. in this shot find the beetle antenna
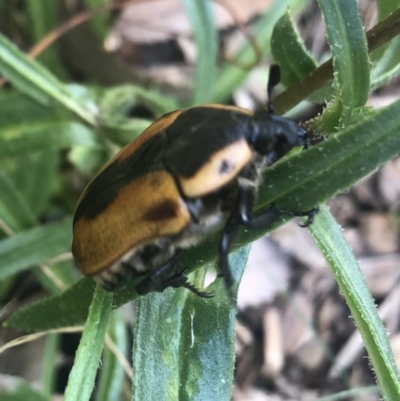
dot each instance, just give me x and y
(273, 80)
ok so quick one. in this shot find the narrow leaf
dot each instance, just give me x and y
(65, 310)
(112, 375)
(289, 51)
(380, 78)
(17, 108)
(35, 176)
(23, 392)
(24, 138)
(200, 14)
(34, 246)
(384, 8)
(32, 78)
(48, 374)
(43, 19)
(329, 238)
(184, 345)
(14, 211)
(117, 103)
(348, 45)
(100, 21)
(81, 379)
(116, 107)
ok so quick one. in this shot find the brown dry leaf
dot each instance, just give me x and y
(161, 20)
(254, 394)
(155, 38)
(297, 242)
(381, 273)
(273, 343)
(389, 182)
(380, 233)
(266, 275)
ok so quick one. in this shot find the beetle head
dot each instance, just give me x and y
(274, 135)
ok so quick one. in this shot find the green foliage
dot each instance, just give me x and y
(350, 60)
(202, 351)
(337, 252)
(82, 376)
(34, 246)
(183, 345)
(205, 32)
(23, 392)
(289, 50)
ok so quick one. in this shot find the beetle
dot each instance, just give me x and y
(186, 174)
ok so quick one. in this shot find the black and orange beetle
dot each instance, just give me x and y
(176, 183)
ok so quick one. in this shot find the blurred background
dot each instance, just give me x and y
(295, 339)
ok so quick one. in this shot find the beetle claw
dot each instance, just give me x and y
(310, 214)
(180, 280)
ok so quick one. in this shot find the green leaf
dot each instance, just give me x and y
(44, 135)
(34, 246)
(17, 108)
(48, 374)
(382, 77)
(32, 78)
(386, 58)
(117, 105)
(323, 75)
(62, 275)
(81, 379)
(88, 160)
(348, 45)
(289, 51)
(6, 286)
(329, 238)
(65, 310)
(386, 7)
(35, 176)
(100, 22)
(14, 211)
(125, 132)
(23, 392)
(43, 19)
(112, 375)
(200, 14)
(197, 362)
(357, 392)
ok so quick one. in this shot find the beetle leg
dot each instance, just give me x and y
(310, 214)
(161, 279)
(180, 280)
(264, 221)
(242, 215)
(224, 247)
(157, 280)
